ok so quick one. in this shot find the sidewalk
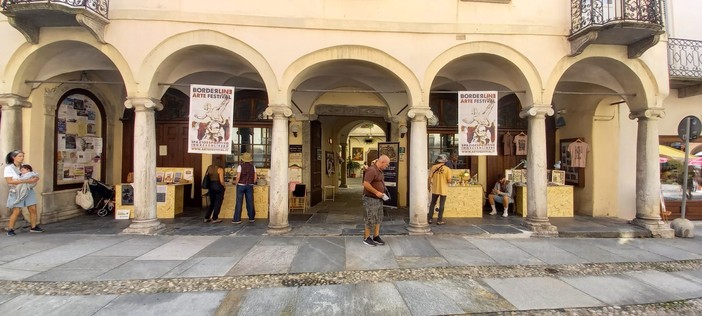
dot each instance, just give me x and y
(108, 274)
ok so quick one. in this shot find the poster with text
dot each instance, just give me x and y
(477, 121)
(211, 119)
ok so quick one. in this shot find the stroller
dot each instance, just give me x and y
(104, 197)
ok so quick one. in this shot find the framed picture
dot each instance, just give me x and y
(329, 158)
(508, 175)
(357, 153)
(558, 177)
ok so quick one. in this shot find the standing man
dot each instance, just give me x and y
(502, 194)
(245, 180)
(373, 197)
(453, 162)
(439, 178)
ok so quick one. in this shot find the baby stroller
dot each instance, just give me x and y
(104, 197)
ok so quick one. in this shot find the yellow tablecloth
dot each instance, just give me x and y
(559, 203)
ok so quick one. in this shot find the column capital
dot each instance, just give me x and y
(650, 114)
(140, 104)
(420, 114)
(535, 110)
(278, 110)
(9, 100)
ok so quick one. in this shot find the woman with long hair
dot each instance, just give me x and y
(14, 161)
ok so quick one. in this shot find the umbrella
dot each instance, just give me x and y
(695, 162)
(662, 160)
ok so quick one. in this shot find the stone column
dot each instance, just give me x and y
(537, 218)
(145, 221)
(278, 185)
(10, 139)
(418, 172)
(343, 169)
(648, 185)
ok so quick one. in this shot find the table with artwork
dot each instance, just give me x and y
(169, 199)
(559, 200)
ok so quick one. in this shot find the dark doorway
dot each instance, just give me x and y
(315, 162)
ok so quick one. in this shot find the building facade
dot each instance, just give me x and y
(309, 72)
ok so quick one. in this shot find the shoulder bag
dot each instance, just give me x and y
(206, 180)
(84, 198)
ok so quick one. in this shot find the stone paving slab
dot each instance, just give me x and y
(320, 255)
(272, 301)
(82, 269)
(327, 300)
(55, 305)
(473, 296)
(587, 249)
(504, 252)
(134, 246)
(171, 304)
(545, 251)
(631, 253)
(540, 293)
(180, 248)
(460, 252)
(619, 289)
(62, 254)
(662, 249)
(265, 260)
(411, 246)
(425, 298)
(669, 283)
(360, 256)
(141, 269)
(201, 267)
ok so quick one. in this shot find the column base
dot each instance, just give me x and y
(143, 227)
(540, 227)
(278, 230)
(419, 229)
(657, 228)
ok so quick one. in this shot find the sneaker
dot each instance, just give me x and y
(369, 241)
(207, 220)
(504, 214)
(11, 232)
(252, 220)
(216, 221)
(36, 229)
(493, 212)
(236, 222)
(378, 240)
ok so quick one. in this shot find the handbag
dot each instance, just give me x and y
(84, 198)
(206, 182)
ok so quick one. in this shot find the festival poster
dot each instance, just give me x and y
(211, 119)
(477, 121)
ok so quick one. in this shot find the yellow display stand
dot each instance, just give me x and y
(172, 206)
(464, 201)
(560, 200)
(260, 197)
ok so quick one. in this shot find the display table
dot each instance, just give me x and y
(260, 202)
(559, 200)
(464, 201)
(167, 206)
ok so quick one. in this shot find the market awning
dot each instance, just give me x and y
(670, 152)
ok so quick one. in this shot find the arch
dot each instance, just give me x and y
(632, 74)
(27, 61)
(520, 62)
(158, 57)
(300, 69)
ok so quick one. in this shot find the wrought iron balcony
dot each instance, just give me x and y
(685, 66)
(29, 16)
(634, 23)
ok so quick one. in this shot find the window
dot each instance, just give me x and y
(254, 140)
(445, 144)
(80, 139)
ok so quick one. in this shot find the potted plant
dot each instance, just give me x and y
(352, 166)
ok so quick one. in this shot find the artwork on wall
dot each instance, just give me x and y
(558, 177)
(329, 158)
(357, 153)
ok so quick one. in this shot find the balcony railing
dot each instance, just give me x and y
(585, 13)
(100, 7)
(685, 59)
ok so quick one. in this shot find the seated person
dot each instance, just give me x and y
(501, 193)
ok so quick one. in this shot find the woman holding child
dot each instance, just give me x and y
(21, 191)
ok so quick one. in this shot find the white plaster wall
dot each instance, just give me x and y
(684, 19)
(676, 109)
(626, 165)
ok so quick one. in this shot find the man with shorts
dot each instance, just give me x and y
(373, 195)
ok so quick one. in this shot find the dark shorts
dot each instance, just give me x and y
(374, 210)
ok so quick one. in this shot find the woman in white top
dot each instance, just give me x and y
(14, 161)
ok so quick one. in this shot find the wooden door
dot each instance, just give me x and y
(174, 135)
(316, 162)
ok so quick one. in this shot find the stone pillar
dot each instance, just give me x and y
(145, 221)
(537, 181)
(343, 171)
(278, 185)
(10, 139)
(418, 172)
(648, 185)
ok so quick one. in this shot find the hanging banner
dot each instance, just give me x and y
(392, 150)
(477, 118)
(211, 118)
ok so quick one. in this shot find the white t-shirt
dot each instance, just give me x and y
(10, 172)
